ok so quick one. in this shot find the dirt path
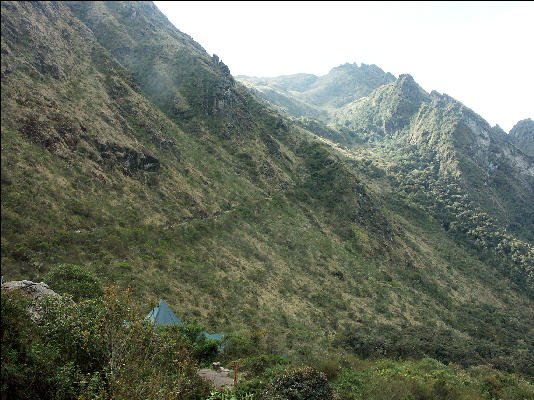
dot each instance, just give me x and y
(220, 379)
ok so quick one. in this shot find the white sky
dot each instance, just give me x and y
(481, 53)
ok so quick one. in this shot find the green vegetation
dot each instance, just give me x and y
(75, 281)
(86, 350)
(427, 379)
(132, 158)
(300, 383)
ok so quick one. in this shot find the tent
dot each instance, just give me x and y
(163, 315)
(213, 336)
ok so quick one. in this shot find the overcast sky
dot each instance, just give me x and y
(481, 53)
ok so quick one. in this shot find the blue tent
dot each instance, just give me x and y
(214, 336)
(163, 315)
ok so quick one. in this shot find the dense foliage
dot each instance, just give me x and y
(74, 280)
(95, 349)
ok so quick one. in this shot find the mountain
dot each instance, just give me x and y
(463, 147)
(437, 148)
(522, 135)
(130, 151)
(307, 95)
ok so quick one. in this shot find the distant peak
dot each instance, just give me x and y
(405, 78)
(409, 89)
(525, 127)
(406, 81)
(370, 71)
(347, 67)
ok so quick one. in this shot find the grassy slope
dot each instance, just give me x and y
(246, 224)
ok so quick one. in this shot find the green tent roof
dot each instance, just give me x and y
(163, 315)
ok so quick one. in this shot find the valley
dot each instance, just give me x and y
(346, 217)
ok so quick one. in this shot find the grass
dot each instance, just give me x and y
(427, 379)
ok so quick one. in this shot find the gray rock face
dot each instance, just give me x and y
(37, 292)
(523, 129)
(522, 135)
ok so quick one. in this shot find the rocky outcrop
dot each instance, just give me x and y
(523, 129)
(128, 160)
(522, 136)
(36, 291)
(54, 132)
(223, 92)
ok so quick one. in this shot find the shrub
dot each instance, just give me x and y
(18, 368)
(257, 365)
(86, 350)
(236, 346)
(297, 384)
(75, 280)
(330, 367)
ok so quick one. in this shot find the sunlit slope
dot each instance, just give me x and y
(196, 192)
(474, 178)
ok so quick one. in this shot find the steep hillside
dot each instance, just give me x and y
(127, 149)
(437, 147)
(306, 95)
(417, 128)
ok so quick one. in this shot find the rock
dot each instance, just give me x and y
(127, 159)
(37, 292)
(522, 136)
(219, 379)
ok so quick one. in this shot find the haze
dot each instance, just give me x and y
(479, 53)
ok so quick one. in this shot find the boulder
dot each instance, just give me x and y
(37, 292)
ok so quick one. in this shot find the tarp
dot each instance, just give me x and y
(163, 315)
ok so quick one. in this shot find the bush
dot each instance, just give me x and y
(236, 346)
(75, 280)
(204, 350)
(18, 366)
(87, 351)
(297, 384)
(257, 365)
(330, 367)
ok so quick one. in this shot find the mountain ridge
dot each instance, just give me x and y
(315, 96)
